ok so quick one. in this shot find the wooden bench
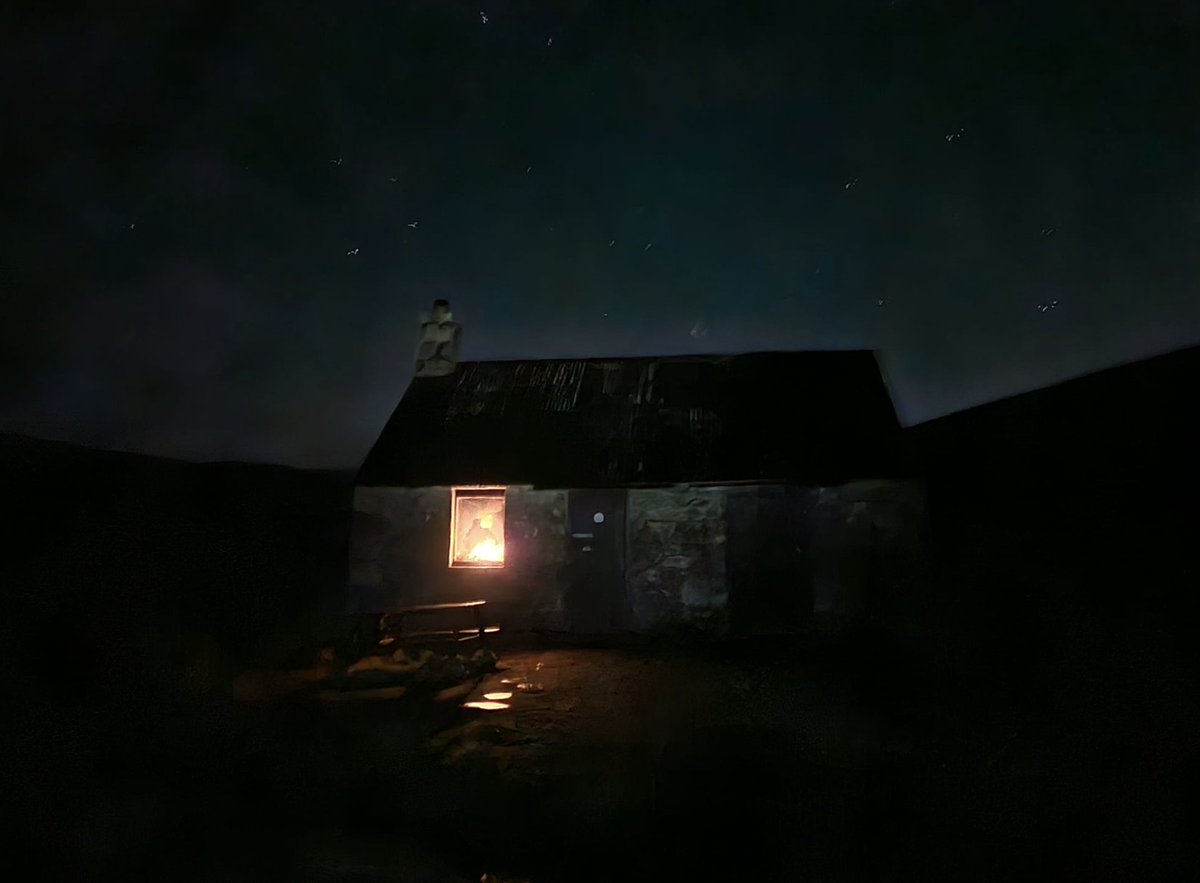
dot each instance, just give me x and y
(393, 627)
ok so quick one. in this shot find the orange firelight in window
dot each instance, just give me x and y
(477, 527)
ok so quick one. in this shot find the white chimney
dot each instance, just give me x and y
(437, 348)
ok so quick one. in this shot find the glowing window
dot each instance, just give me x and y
(477, 527)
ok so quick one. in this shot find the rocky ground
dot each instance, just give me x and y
(658, 765)
(747, 760)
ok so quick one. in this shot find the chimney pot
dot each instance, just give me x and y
(437, 346)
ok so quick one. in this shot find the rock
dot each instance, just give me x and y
(455, 693)
(397, 663)
(442, 671)
(400, 656)
(484, 660)
(377, 694)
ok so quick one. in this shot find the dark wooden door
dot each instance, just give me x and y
(595, 596)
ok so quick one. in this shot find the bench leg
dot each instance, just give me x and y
(479, 624)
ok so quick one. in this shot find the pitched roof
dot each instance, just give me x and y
(814, 417)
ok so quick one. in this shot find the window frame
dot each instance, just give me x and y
(487, 491)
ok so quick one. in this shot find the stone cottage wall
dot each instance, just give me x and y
(751, 559)
(676, 553)
(867, 549)
(399, 554)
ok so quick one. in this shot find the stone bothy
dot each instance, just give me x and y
(762, 492)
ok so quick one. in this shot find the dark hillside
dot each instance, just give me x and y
(232, 554)
(136, 587)
(1063, 525)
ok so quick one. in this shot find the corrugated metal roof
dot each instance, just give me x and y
(491, 387)
(579, 423)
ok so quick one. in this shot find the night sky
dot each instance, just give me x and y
(222, 219)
